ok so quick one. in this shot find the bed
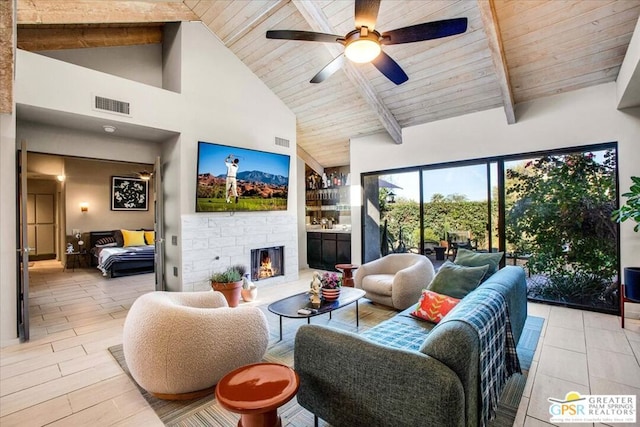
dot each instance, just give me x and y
(117, 261)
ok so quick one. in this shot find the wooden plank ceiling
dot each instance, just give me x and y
(513, 51)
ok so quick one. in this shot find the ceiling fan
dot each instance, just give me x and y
(363, 44)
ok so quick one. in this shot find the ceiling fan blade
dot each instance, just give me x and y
(426, 31)
(329, 69)
(308, 36)
(390, 68)
(367, 13)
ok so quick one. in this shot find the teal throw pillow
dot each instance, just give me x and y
(457, 280)
(469, 258)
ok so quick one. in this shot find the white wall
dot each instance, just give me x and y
(77, 143)
(56, 85)
(8, 245)
(171, 177)
(587, 116)
(144, 61)
(226, 103)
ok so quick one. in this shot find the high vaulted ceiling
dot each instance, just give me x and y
(513, 51)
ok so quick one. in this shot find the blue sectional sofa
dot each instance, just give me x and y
(422, 378)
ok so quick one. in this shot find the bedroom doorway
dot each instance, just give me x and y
(80, 190)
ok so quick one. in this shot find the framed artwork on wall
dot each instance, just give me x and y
(129, 194)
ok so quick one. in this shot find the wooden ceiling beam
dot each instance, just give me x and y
(64, 37)
(257, 20)
(492, 30)
(318, 21)
(58, 12)
(7, 32)
(309, 160)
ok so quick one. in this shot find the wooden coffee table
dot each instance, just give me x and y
(256, 392)
(288, 307)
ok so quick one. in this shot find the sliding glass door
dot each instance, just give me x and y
(549, 213)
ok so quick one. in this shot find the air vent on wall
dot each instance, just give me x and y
(282, 142)
(111, 105)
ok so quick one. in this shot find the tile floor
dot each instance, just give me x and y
(66, 377)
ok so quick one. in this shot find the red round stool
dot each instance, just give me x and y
(347, 276)
(256, 392)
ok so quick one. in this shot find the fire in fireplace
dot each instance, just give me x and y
(267, 262)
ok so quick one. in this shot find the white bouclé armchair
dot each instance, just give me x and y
(178, 345)
(395, 280)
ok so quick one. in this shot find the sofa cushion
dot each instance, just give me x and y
(398, 334)
(378, 283)
(456, 280)
(469, 258)
(433, 306)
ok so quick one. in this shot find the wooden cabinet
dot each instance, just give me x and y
(329, 251)
(314, 250)
(325, 250)
(343, 249)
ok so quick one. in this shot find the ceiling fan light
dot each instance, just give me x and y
(362, 50)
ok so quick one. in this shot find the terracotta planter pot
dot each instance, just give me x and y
(250, 294)
(330, 294)
(231, 291)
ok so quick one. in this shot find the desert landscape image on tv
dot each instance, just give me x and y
(262, 179)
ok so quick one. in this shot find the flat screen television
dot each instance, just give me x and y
(261, 179)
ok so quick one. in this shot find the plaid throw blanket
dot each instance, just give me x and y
(487, 313)
(397, 335)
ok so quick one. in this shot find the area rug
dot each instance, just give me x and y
(206, 411)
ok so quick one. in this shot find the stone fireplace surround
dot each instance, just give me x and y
(231, 238)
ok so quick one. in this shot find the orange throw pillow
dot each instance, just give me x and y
(433, 306)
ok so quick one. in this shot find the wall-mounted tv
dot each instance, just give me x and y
(239, 179)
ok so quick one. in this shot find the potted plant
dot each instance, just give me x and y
(331, 284)
(631, 210)
(229, 283)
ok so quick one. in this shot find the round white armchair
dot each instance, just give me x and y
(395, 280)
(178, 345)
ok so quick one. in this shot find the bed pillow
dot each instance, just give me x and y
(478, 259)
(101, 242)
(150, 237)
(107, 245)
(433, 306)
(456, 280)
(133, 238)
(117, 234)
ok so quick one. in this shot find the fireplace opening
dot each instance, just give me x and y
(267, 262)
